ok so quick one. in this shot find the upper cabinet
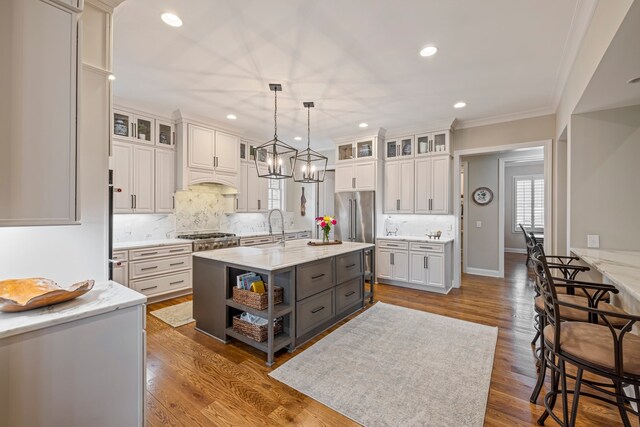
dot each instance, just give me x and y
(360, 149)
(165, 134)
(357, 165)
(131, 126)
(433, 143)
(399, 148)
(39, 87)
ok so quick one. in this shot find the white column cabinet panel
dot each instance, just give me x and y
(38, 101)
(365, 175)
(241, 197)
(440, 185)
(143, 179)
(423, 185)
(257, 191)
(165, 181)
(201, 147)
(399, 187)
(122, 155)
(391, 187)
(226, 152)
(344, 178)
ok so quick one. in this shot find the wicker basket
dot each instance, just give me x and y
(255, 332)
(256, 300)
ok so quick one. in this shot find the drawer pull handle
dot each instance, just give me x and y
(393, 246)
(148, 253)
(315, 310)
(350, 266)
(349, 294)
(426, 247)
(149, 288)
(176, 263)
(149, 268)
(176, 250)
(317, 277)
(175, 283)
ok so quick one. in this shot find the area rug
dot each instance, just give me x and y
(176, 315)
(393, 366)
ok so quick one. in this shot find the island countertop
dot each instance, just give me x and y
(622, 268)
(103, 298)
(274, 257)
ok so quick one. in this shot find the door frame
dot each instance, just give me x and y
(547, 145)
(465, 220)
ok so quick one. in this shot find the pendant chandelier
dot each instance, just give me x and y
(309, 166)
(275, 152)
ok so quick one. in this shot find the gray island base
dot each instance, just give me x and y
(321, 286)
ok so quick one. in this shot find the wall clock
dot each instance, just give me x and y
(482, 196)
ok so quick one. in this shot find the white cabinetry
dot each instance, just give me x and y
(212, 156)
(165, 181)
(399, 186)
(257, 190)
(133, 127)
(357, 176)
(417, 265)
(133, 178)
(433, 143)
(39, 93)
(432, 184)
(120, 267)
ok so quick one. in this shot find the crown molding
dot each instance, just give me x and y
(448, 124)
(180, 116)
(538, 112)
(380, 133)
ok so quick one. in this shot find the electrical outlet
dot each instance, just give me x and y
(593, 241)
(449, 227)
(478, 224)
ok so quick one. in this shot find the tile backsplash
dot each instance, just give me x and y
(419, 225)
(199, 209)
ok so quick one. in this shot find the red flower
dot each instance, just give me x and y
(334, 222)
(323, 224)
(319, 218)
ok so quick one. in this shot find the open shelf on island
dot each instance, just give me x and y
(279, 310)
(280, 341)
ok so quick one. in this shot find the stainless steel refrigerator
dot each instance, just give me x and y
(356, 216)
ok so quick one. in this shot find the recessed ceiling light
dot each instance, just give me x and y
(111, 77)
(231, 116)
(171, 19)
(636, 80)
(298, 138)
(428, 51)
(460, 104)
(363, 125)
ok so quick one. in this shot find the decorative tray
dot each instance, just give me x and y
(331, 242)
(27, 294)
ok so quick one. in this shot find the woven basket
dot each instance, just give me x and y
(256, 300)
(255, 332)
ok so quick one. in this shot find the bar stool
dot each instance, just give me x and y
(604, 349)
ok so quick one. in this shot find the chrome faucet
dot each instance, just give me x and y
(282, 221)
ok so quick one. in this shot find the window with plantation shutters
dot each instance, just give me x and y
(528, 202)
(275, 194)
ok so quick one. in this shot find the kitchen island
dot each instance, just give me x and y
(321, 285)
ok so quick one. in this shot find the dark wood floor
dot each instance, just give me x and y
(194, 380)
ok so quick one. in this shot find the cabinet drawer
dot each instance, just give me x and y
(348, 294)
(252, 241)
(431, 247)
(348, 266)
(314, 277)
(157, 285)
(159, 251)
(304, 235)
(314, 311)
(394, 244)
(120, 256)
(159, 266)
(290, 236)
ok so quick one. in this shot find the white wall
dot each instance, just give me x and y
(604, 178)
(72, 253)
(514, 240)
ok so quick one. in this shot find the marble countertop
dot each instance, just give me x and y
(274, 257)
(148, 243)
(424, 239)
(103, 298)
(622, 268)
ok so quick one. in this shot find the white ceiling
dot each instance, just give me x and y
(357, 60)
(608, 87)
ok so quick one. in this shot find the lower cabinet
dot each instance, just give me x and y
(327, 291)
(417, 265)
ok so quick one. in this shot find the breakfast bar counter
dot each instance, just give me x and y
(320, 285)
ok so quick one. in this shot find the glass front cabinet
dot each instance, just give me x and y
(399, 148)
(361, 149)
(165, 134)
(433, 143)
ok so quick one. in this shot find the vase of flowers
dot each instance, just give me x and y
(325, 223)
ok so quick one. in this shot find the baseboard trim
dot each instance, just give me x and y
(483, 272)
(515, 250)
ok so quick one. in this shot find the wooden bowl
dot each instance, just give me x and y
(27, 294)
